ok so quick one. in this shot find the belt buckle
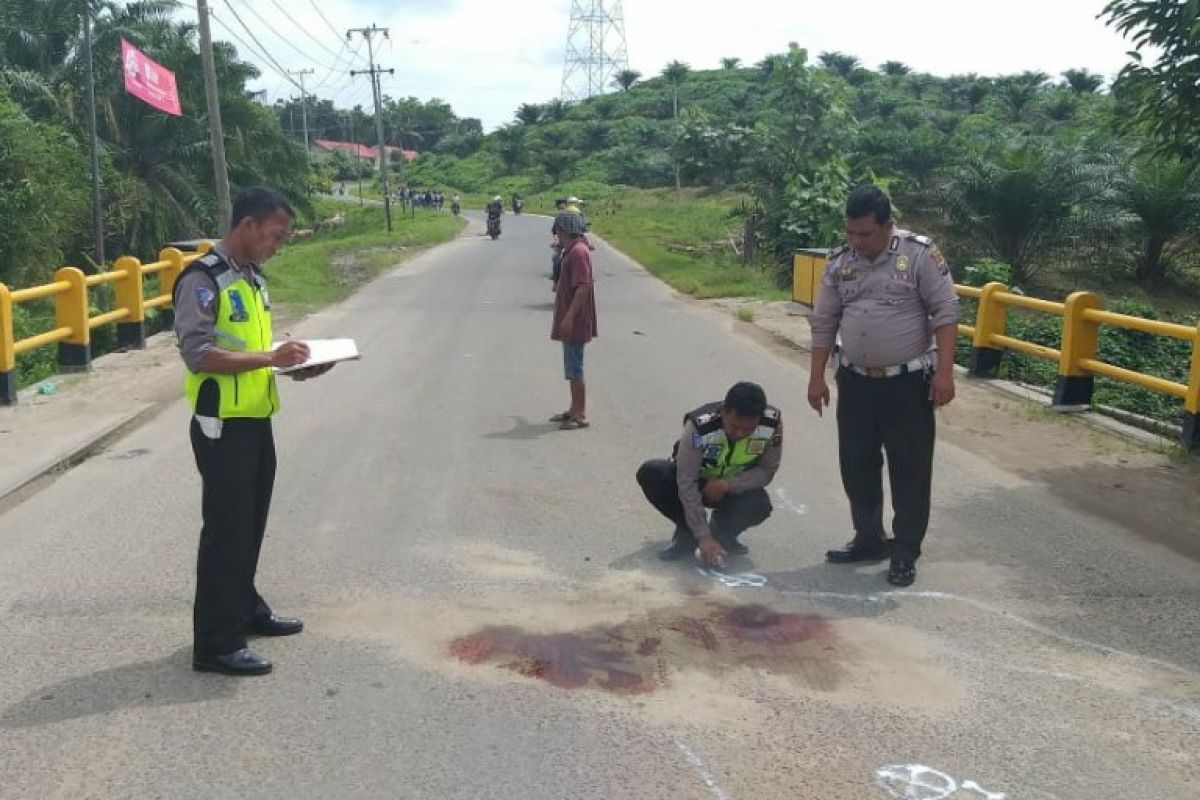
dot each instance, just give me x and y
(876, 372)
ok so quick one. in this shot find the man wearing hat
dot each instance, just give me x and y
(574, 312)
(571, 204)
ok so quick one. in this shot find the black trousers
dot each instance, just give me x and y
(238, 474)
(896, 416)
(730, 517)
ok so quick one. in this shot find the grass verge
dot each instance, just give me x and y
(330, 266)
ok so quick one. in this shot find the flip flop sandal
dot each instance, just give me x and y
(573, 424)
(562, 417)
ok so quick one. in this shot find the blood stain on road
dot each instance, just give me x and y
(635, 656)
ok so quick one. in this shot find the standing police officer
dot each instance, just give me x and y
(724, 459)
(223, 323)
(889, 293)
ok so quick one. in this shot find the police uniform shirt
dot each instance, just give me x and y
(887, 308)
(689, 459)
(195, 310)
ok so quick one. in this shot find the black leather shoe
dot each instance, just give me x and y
(242, 662)
(679, 547)
(276, 626)
(733, 546)
(902, 572)
(858, 550)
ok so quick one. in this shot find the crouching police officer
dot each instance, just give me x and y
(725, 457)
(223, 324)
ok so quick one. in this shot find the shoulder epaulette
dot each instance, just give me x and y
(837, 251)
(924, 241)
(772, 413)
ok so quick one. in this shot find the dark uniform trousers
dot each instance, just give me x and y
(896, 415)
(238, 473)
(730, 517)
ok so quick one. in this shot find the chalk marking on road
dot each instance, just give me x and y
(786, 502)
(883, 597)
(918, 782)
(705, 774)
(741, 580)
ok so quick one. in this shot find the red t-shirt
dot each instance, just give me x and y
(576, 273)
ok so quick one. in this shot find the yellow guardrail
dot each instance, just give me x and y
(1077, 355)
(72, 317)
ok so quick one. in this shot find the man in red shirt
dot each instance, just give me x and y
(574, 313)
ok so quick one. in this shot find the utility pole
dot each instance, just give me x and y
(375, 72)
(303, 103)
(357, 157)
(93, 142)
(215, 134)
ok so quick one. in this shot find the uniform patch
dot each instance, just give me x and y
(238, 312)
(901, 263)
(712, 452)
(205, 297)
(756, 447)
(846, 273)
(939, 261)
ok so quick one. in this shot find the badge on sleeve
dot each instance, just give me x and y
(939, 261)
(238, 312)
(204, 299)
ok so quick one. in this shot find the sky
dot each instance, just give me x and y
(486, 57)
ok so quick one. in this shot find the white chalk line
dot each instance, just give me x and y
(705, 775)
(883, 597)
(739, 580)
(918, 782)
(786, 502)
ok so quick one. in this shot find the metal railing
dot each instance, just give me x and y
(73, 322)
(1077, 356)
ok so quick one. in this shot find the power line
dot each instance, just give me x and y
(267, 53)
(253, 51)
(324, 19)
(285, 40)
(336, 56)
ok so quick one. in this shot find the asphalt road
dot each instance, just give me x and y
(486, 618)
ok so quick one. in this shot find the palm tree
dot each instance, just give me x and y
(730, 63)
(1016, 201)
(1016, 95)
(839, 64)
(1083, 82)
(626, 78)
(1160, 195)
(675, 73)
(529, 113)
(555, 110)
(894, 69)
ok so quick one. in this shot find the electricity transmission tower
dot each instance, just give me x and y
(596, 49)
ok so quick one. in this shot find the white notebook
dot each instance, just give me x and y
(324, 351)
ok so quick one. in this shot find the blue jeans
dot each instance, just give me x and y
(573, 361)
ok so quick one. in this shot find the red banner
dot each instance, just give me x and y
(149, 82)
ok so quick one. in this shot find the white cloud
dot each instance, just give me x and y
(486, 57)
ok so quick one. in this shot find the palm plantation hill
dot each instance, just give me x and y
(710, 177)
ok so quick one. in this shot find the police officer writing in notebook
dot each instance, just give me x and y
(889, 293)
(726, 455)
(223, 324)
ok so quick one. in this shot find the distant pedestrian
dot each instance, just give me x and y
(890, 294)
(574, 314)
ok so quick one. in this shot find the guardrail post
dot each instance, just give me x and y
(131, 331)
(71, 311)
(1080, 340)
(8, 353)
(991, 319)
(1191, 403)
(174, 257)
